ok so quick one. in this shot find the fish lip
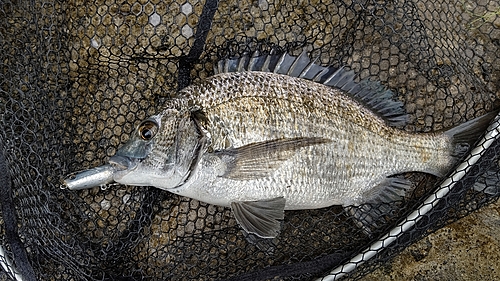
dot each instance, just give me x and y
(122, 163)
(123, 166)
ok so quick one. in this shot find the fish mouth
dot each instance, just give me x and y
(122, 162)
(123, 165)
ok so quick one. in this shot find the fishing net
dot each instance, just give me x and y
(76, 78)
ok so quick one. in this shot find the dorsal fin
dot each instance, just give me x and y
(370, 93)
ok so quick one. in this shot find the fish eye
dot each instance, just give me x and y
(147, 130)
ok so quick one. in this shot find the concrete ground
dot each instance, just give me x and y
(468, 249)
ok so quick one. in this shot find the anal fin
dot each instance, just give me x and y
(262, 217)
(378, 203)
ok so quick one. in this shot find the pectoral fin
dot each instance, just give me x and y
(261, 218)
(257, 160)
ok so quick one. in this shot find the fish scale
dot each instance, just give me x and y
(257, 127)
(369, 157)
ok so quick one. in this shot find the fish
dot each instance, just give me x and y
(274, 132)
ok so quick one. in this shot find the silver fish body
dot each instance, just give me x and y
(300, 137)
(254, 107)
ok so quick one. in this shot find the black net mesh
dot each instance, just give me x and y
(76, 78)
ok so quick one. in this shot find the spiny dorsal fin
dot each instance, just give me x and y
(371, 93)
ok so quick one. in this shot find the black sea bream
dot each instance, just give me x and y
(274, 133)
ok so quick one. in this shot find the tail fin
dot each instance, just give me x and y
(465, 135)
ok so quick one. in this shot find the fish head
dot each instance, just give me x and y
(162, 152)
